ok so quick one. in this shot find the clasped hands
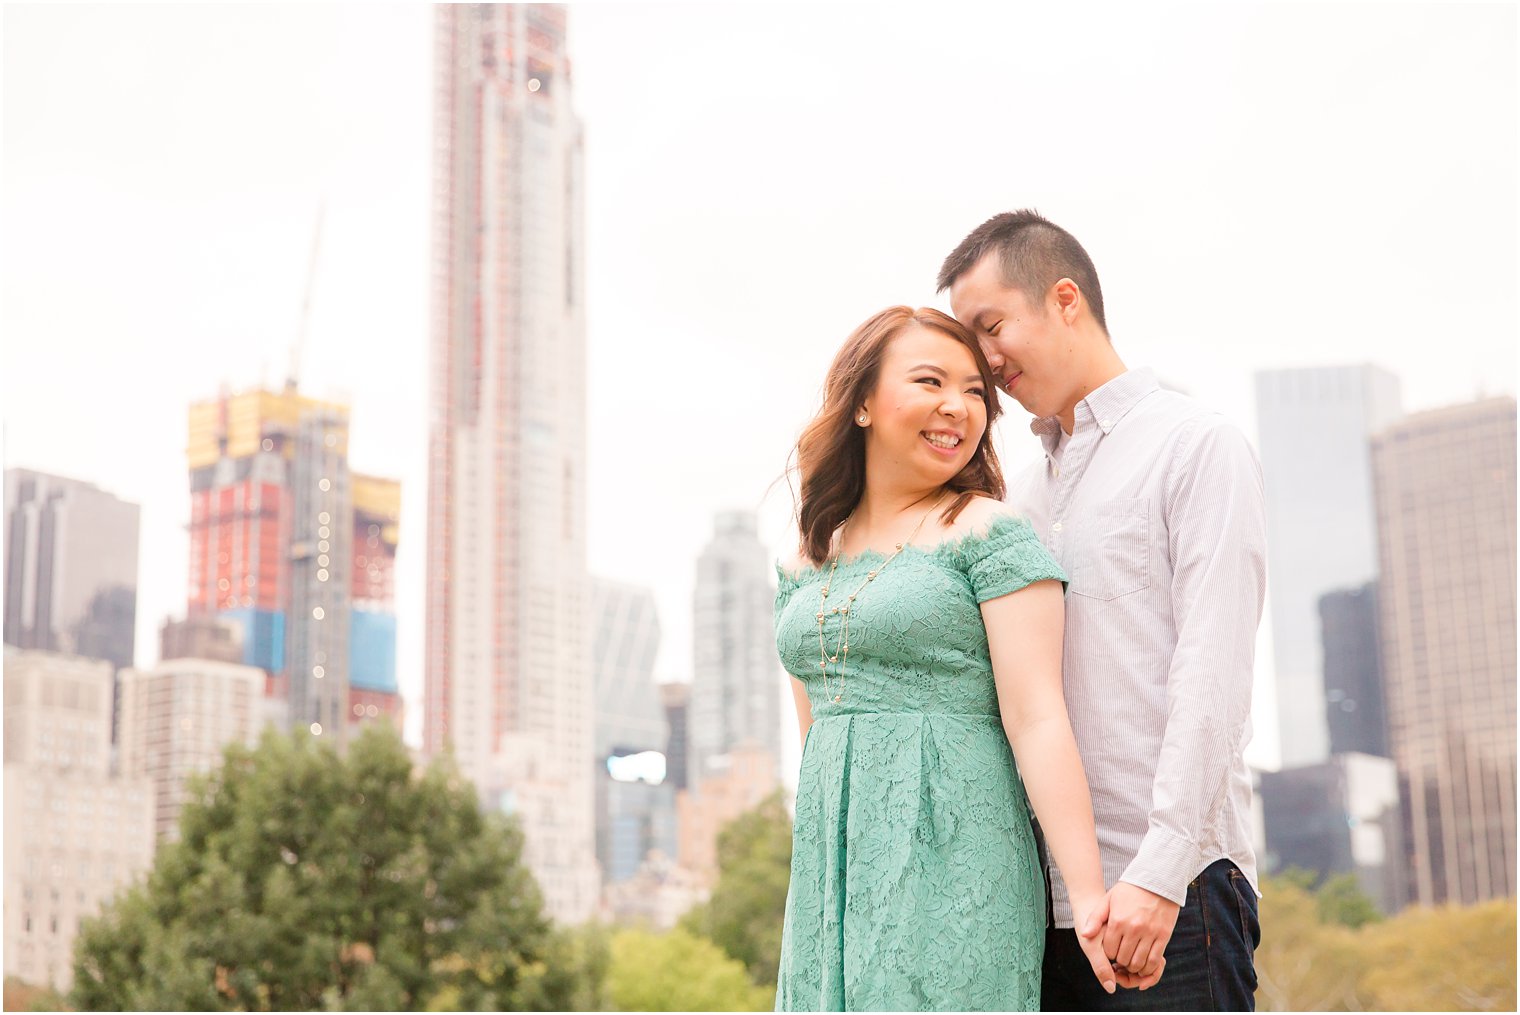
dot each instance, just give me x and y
(1124, 936)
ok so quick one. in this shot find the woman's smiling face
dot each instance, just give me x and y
(928, 411)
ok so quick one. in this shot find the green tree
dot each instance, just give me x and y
(304, 880)
(1341, 900)
(1445, 959)
(1303, 964)
(743, 916)
(678, 971)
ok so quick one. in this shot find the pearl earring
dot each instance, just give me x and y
(862, 421)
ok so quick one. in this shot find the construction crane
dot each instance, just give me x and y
(293, 375)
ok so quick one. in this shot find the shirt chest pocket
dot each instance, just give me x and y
(1110, 548)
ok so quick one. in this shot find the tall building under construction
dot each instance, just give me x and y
(508, 676)
(298, 551)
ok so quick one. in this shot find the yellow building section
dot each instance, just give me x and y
(380, 499)
(246, 420)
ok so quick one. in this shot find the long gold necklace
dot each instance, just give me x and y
(841, 654)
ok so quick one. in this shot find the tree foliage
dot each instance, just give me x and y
(1341, 900)
(1312, 957)
(1302, 963)
(744, 914)
(306, 880)
(1441, 959)
(678, 971)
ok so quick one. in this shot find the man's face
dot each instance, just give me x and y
(1027, 343)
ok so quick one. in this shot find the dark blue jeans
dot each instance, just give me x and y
(1209, 959)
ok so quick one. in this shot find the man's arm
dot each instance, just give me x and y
(1216, 522)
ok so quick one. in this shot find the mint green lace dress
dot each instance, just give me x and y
(915, 883)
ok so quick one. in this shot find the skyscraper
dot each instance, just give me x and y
(1354, 707)
(507, 677)
(635, 799)
(177, 718)
(273, 512)
(736, 677)
(321, 568)
(70, 567)
(1338, 817)
(75, 835)
(1313, 427)
(1445, 484)
(676, 699)
(624, 641)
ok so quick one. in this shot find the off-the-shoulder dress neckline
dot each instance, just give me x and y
(999, 524)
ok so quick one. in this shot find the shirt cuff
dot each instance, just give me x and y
(1165, 865)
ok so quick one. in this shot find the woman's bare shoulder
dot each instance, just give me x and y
(794, 563)
(979, 514)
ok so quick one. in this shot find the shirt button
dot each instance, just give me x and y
(1055, 470)
(1105, 424)
(1056, 527)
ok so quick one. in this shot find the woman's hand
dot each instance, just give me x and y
(1092, 947)
(1097, 931)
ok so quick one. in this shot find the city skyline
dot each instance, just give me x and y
(1267, 222)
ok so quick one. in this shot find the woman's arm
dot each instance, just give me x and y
(804, 708)
(793, 564)
(1024, 634)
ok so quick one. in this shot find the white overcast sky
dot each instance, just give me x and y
(1261, 185)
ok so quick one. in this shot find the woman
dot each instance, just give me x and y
(922, 624)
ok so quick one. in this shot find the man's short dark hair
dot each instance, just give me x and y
(1035, 254)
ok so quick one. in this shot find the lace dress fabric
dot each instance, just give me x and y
(915, 884)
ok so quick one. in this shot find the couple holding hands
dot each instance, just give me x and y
(979, 665)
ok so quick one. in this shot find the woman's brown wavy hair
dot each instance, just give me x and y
(831, 453)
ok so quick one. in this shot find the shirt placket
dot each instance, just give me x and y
(1066, 473)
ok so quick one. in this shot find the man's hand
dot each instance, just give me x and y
(1135, 926)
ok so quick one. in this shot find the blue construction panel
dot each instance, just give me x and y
(372, 650)
(263, 637)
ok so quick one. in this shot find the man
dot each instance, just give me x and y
(1153, 505)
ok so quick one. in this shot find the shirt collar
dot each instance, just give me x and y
(1105, 405)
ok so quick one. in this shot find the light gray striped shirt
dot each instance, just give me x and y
(1153, 506)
